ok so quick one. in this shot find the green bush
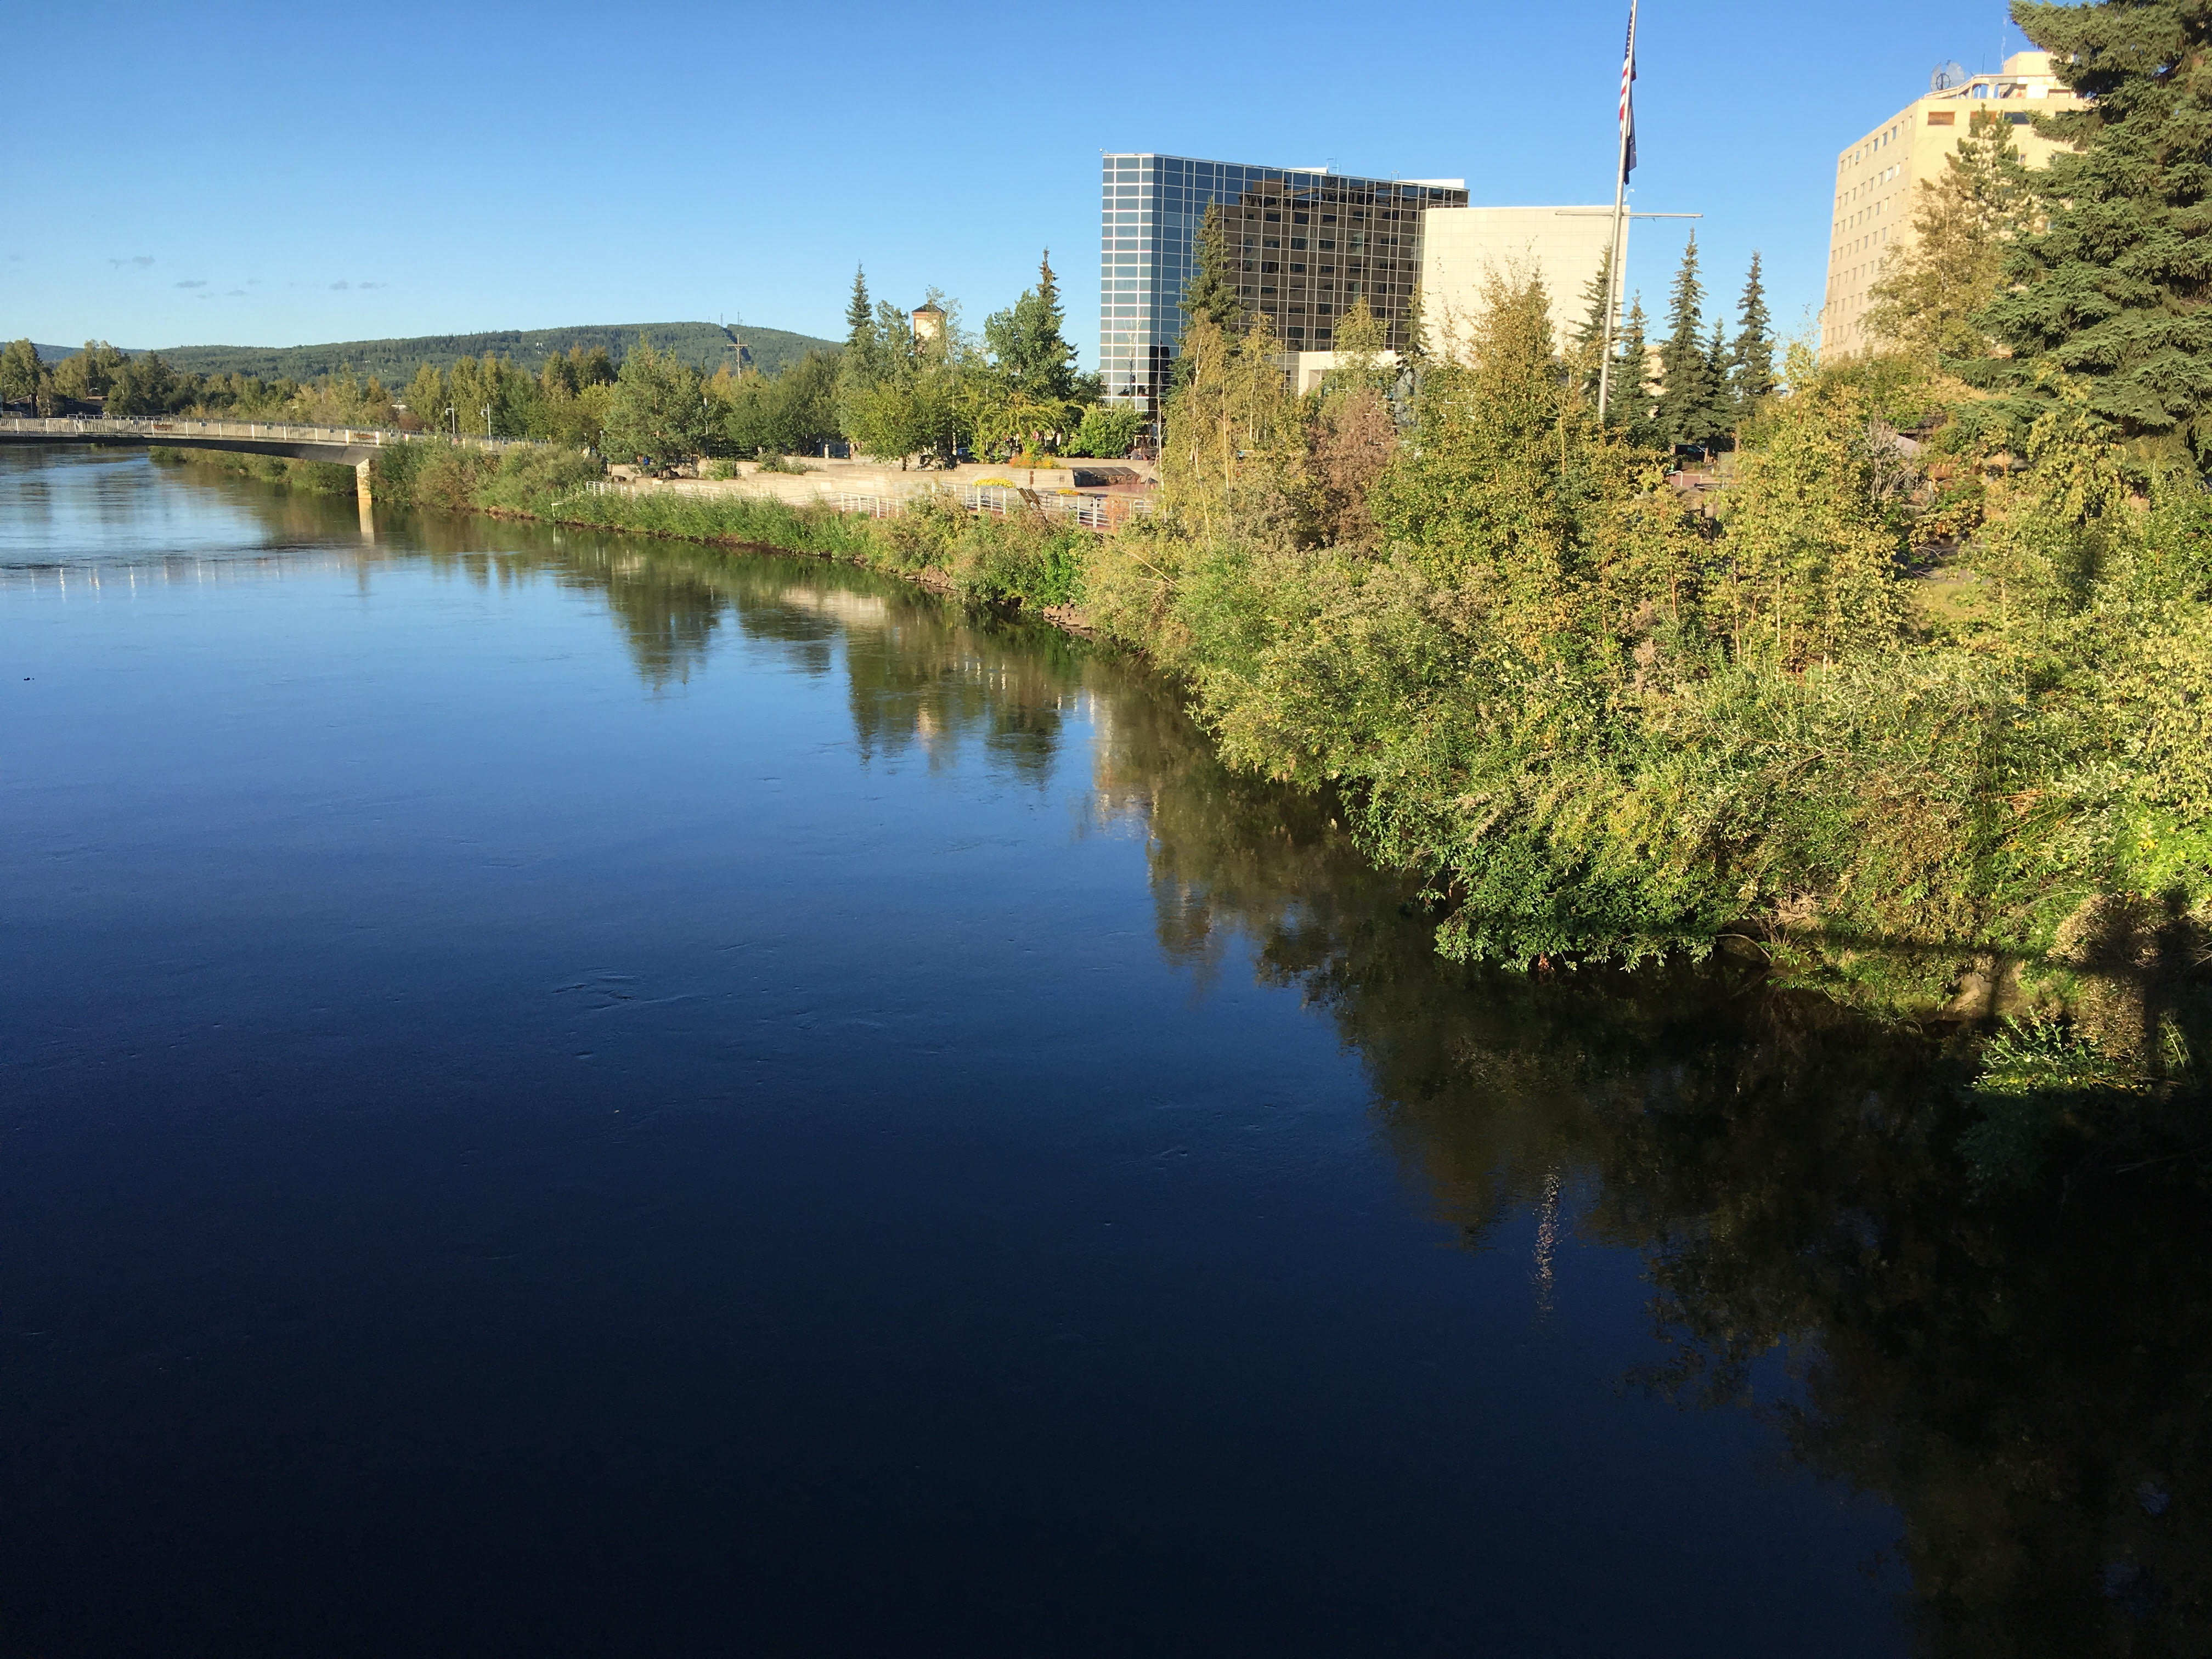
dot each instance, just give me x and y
(1108, 431)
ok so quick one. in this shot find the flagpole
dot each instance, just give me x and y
(1620, 211)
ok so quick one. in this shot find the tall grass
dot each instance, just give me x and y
(1019, 560)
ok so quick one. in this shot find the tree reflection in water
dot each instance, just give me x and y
(2027, 1380)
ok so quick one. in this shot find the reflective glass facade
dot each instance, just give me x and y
(1308, 244)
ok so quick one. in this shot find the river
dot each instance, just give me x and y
(568, 1095)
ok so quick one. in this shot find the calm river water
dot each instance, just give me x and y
(562, 1095)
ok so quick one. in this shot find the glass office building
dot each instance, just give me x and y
(1308, 244)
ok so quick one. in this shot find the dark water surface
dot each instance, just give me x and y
(572, 1096)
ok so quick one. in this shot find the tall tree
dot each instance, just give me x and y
(1751, 357)
(146, 385)
(87, 374)
(1687, 412)
(426, 399)
(859, 312)
(1353, 432)
(1588, 345)
(1720, 411)
(21, 373)
(870, 344)
(1629, 407)
(1413, 328)
(1212, 292)
(1963, 224)
(2113, 290)
(1027, 343)
(658, 410)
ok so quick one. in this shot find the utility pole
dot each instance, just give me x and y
(1619, 213)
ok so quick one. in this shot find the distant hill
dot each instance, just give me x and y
(704, 345)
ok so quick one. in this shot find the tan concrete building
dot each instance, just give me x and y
(1877, 179)
(1460, 248)
(1463, 247)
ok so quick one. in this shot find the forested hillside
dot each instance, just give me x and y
(704, 346)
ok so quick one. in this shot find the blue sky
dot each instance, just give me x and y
(273, 174)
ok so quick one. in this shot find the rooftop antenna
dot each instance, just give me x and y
(1946, 76)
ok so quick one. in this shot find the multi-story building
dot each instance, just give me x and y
(1876, 177)
(1308, 242)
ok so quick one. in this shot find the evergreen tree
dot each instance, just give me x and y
(859, 314)
(1630, 406)
(1751, 359)
(2114, 287)
(1687, 397)
(1415, 323)
(1589, 341)
(1212, 292)
(1720, 409)
(1026, 341)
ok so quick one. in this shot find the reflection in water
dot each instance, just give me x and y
(2027, 1381)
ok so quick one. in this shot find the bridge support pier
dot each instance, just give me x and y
(364, 496)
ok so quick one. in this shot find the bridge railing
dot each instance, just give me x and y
(336, 437)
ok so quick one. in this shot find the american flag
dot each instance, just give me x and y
(1628, 100)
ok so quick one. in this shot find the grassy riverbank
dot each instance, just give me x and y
(980, 558)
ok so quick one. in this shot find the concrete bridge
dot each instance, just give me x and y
(354, 446)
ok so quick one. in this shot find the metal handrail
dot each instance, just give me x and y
(148, 425)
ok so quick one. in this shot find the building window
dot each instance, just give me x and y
(1942, 118)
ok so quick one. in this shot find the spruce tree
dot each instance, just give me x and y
(1414, 323)
(2114, 287)
(1588, 344)
(1719, 416)
(1686, 395)
(1212, 292)
(865, 359)
(1027, 342)
(1751, 359)
(1629, 407)
(859, 314)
